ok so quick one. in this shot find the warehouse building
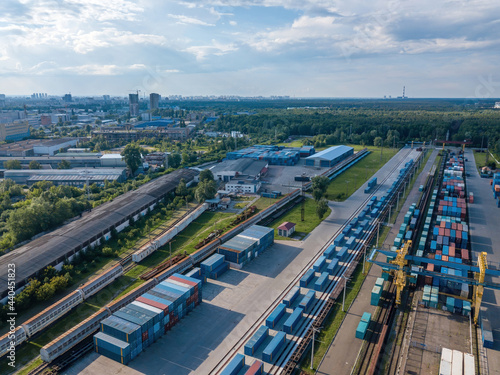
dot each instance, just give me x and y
(63, 243)
(91, 160)
(14, 131)
(274, 155)
(52, 146)
(112, 160)
(73, 177)
(329, 157)
(229, 169)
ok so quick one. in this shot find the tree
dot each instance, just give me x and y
(12, 164)
(181, 188)
(206, 190)
(132, 156)
(377, 142)
(45, 292)
(321, 208)
(206, 174)
(64, 164)
(319, 186)
(174, 160)
(35, 165)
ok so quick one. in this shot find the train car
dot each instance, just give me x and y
(97, 283)
(72, 337)
(52, 313)
(5, 340)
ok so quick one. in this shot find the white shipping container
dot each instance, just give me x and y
(445, 368)
(457, 365)
(447, 355)
(469, 367)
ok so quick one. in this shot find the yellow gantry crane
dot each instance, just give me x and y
(399, 267)
(479, 288)
(400, 273)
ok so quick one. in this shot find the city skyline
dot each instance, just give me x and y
(251, 48)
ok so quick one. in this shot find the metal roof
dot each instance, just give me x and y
(330, 153)
(48, 248)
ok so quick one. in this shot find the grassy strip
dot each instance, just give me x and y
(480, 158)
(302, 228)
(352, 179)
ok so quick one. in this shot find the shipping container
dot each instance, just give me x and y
(235, 365)
(121, 329)
(291, 296)
(319, 264)
(272, 349)
(257, 368)
(342, 254)
(332, 267)
(256, 340)
(322, 282)
(293, 320)
(273, 318)
(457, 363)
(307, 300)
(361, 330)
(219, 271)
(306, 279)
(329, 252)
(211, 263)
(469, 364)
(104, 342)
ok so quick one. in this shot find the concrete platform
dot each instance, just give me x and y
(434, 329)
(236, 302)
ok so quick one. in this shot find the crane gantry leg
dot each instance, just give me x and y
(400, 274)
(478, 289)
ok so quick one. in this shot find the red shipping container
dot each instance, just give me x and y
(454, 226)
(430, 267)
(447, 233)
(459, 235)
(451, 251)
(439, 252)
(442, 225)
(465, 254)
(145, 336)
(187, 282)
(460, 227)
(442, 230)
(156, 304)
(428, 280)
(444, 258)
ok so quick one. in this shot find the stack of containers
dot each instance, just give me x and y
(214, 266)
(363, 325)
(136, 326)
(495, 184)
(375, 296)
(247, 245)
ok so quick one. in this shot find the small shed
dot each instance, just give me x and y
(224, 203)
(286, 229)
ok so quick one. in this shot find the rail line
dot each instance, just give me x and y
(294, 349)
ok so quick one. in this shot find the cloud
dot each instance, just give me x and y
(216, 48)
(189, 20)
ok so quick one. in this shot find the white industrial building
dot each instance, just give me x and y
(329, 157)
(51, 146)
(112, 160)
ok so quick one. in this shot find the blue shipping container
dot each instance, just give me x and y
(272, 349)
(293, 320)
(235, 365)
(291, 296)
(276, 315)
(258, 338)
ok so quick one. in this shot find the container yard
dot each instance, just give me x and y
(236, 301)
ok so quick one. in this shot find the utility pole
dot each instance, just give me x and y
(170, 248)
(346, 189)
(378, 231)
(345, 287)
(364, 257)
(303, 208)
(312, 350)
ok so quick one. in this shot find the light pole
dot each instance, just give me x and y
(346, 189)
(343, 298)
(312, 349)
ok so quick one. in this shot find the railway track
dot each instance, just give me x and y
(294, 349)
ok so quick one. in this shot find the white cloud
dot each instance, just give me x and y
(216, 48)
(184, 20)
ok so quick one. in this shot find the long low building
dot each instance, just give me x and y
(76, 161)
(63, 243)
(329, 157)
(73, 177)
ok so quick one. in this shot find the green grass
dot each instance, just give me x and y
(294, 215)
(263, 203)
(34, 364)
(349, 181)
(295, 143)
(480, 158)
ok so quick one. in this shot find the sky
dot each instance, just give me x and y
(300, 48)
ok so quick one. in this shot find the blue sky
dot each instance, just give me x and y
(301, 48)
